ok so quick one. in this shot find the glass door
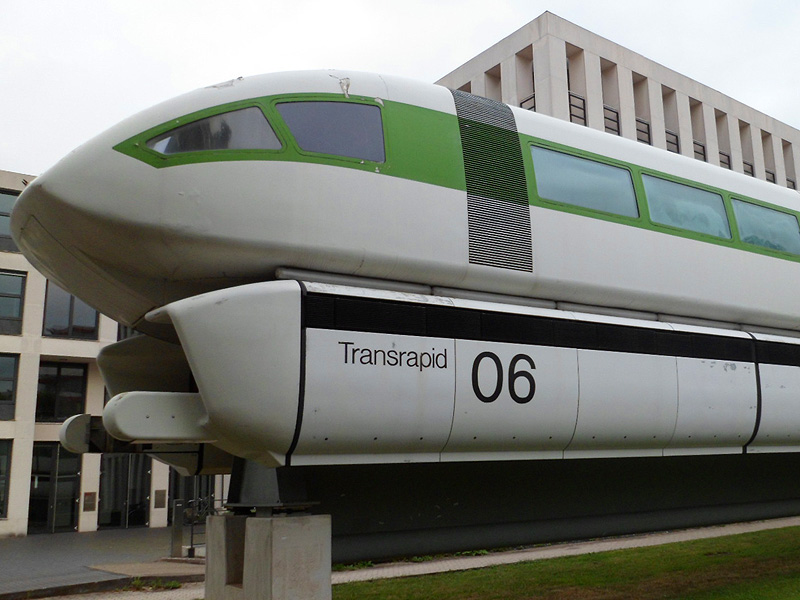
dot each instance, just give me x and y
(124, 491)
(55, 489)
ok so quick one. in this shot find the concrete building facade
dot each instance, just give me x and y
(557, 68)
(49, 341)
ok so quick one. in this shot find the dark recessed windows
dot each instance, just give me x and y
(62, 391)
(12, 295)
(7, 200)
(8, 386)
(67, 316)
(5, 474)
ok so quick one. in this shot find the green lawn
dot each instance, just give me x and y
(754, 566)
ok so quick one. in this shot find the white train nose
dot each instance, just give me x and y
(64, 242)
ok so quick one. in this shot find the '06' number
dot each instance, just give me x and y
(515, 373)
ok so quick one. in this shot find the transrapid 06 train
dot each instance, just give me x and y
(338, 268)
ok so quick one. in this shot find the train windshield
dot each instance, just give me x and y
(338, 128)
(244, 129)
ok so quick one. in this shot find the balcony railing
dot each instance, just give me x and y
(643, 131)
(699, 150)
(611, 120)
(673, 142)
(577, 109)
(529, 103)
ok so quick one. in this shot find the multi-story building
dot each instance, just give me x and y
(557, 68)
(49, 341)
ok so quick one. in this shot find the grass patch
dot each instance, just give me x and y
(151, 585)
(754, 566)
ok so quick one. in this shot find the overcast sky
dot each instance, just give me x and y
(70, 69)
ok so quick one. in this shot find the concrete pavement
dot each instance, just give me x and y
(37, 565)
(134, 553)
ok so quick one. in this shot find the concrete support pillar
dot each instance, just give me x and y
(735, 137)
(627, 104)
(710, 129)
(508, 81)
(758, 153)
(658, 125)
(684, 132)
(791, 159)
(478, 85)
(268, 558)
(550, 77)
(780, 166)
(594, 91)
(523, 62)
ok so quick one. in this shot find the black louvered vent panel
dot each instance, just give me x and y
(497, 195)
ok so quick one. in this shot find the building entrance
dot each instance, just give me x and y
(55, 489)
(124, 491)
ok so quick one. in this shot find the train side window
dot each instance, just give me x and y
(582, 182)
(339, 128)
(766, 227)
(244, 129)
(686, 207)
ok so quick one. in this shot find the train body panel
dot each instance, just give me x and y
(311, 374)
(192, 209)
(213, 220)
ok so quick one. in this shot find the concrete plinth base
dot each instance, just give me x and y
(268, 558)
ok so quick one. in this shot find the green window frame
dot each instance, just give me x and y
(686, 207)
(351, 130)
(584, 183)
(239, 129)
(767, 227)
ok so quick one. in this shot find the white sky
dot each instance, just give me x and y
(70, 69)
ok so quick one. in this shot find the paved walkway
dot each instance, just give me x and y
(35, 563)
(86, 560)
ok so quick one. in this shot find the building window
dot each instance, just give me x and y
(62, 391)
(791, 184)
(611, 120)
(673, 143)
(5, 475)
(7, 199)
(577, 109)
(725, 160)
(643, 131)
(748, 168)
(12, 295)
(67, 316)
(8, 386)
(771, 176)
